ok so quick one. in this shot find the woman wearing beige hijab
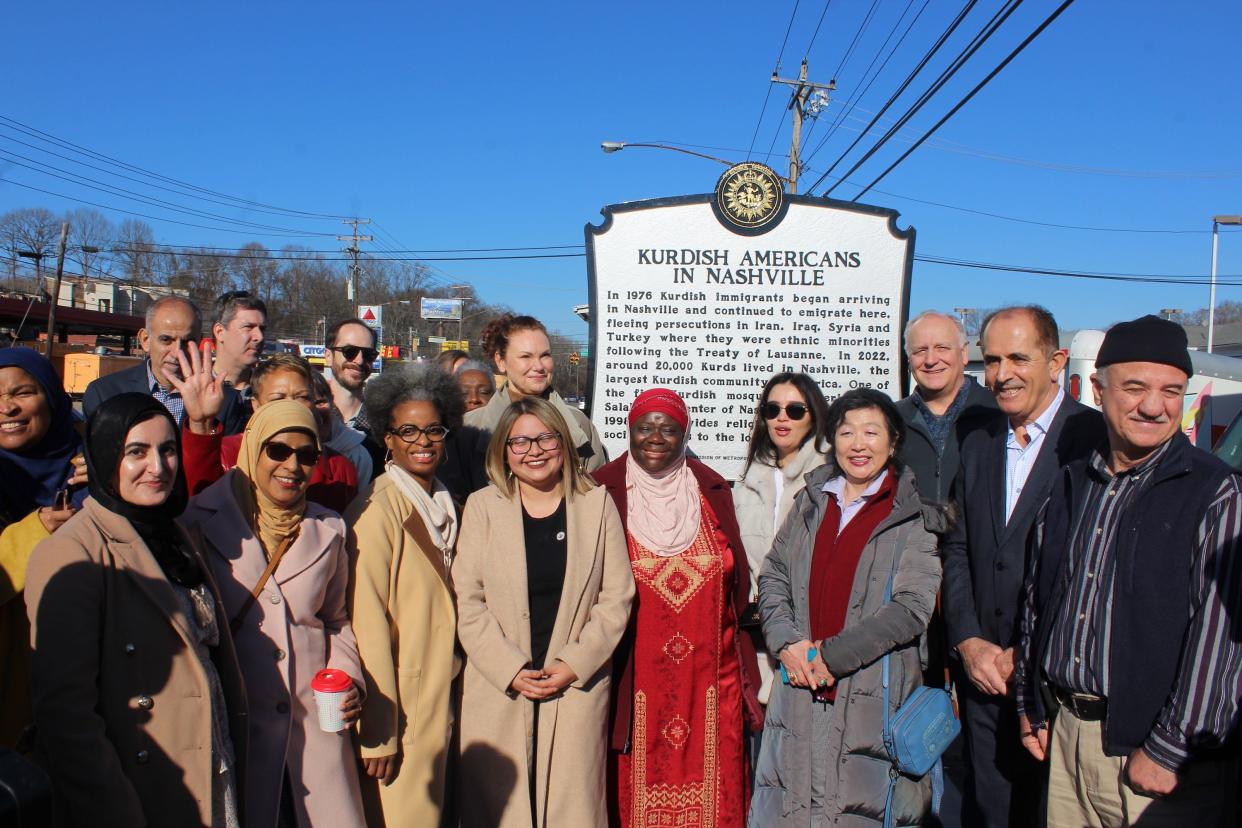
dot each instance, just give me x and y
(282, 568)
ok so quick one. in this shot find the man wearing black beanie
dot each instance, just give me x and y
(1126, 629)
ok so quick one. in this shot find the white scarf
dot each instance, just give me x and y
(663, 511)
(436, 509)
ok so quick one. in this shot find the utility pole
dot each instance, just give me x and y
(351, 284)
(807, 99)
(60, 271)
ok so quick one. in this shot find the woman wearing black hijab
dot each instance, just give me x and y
(138, 700)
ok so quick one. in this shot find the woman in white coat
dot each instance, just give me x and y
(788, 441)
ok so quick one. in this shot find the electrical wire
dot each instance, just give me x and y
(977, 42)
(69, 145)
(1017, 51)
(775, 71)
(901, 88)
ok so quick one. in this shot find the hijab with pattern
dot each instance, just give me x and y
(34, 476)
(107, 431)
(272, 523)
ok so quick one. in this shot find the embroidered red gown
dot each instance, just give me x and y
(687, 767)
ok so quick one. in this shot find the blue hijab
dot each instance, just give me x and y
(33, 477)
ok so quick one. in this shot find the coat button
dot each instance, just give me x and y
(130, 649)
(279, 655)
(146, 702)
(999, 612)
(275, 599)
(282, 707)
(1000, 566)
(142, 756)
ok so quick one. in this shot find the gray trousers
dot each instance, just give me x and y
(821, 719)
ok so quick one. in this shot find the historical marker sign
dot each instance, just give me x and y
(713, 294)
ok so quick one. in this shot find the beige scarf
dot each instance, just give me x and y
(662, 511)
(272, 523)
(436, 509)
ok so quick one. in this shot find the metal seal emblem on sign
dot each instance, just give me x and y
(749, 195)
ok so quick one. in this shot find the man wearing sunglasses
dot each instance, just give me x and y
(352, 348)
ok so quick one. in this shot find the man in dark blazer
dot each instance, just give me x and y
(173, 324)
(1007, 469)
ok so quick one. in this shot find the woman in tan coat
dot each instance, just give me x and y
(138, 698)
(403, 530)
(543, 596)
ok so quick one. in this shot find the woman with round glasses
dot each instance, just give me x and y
(787, 441)
(543, 596)
(402, 538)
(283, 570)
(687, 692)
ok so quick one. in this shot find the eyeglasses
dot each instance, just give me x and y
(794, 411)
(411, 433)
(351, 351)
(548, 441)
(279, 453)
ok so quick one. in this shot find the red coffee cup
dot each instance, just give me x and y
(330, 687)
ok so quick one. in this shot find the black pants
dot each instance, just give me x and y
(1004, 784)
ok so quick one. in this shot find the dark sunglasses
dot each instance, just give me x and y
(279, 453)
(794, 411)
(351, 351)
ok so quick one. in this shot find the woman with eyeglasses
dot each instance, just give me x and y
(283, 570)
(403, 531)
(787, 441)
(543, 596)
(687, 675)
(208, 453)
(139, 700)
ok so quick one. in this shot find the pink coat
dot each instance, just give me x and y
(297, 626)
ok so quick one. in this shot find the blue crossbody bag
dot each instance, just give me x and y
(919, 732)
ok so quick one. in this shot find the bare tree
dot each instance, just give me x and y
(90, 230)
(256, 270)
(136, 251)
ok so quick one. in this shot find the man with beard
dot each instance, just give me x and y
(1007, 468)
(352, 347)
(173, 324)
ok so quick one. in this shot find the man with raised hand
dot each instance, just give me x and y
(239, 329)
(1007, 467)
(1128, 631)
(173, 325)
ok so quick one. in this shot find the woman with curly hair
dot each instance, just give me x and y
(401, 543)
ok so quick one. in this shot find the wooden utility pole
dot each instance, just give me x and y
(60, 271)
(801, 104)
(351, 284)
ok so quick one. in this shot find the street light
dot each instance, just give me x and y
(617, 146)
(1216, 222)
(1167, 313)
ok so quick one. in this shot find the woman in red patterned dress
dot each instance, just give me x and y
(687, 683)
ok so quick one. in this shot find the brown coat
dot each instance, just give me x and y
(121, 701)
(297, 627)
(493, 624)
(405, 623)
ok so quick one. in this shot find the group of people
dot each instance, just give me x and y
(534, 635)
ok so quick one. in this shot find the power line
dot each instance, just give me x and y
(858, 94)
(1151, 278)
(776, 70)
(1021, 46)
(945, 76)
(69, 145)
(95, 184)
(152, 218)
(857, 36)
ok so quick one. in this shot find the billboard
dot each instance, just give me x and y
(712, 294)
(431, 308)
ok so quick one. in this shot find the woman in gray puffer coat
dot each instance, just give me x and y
(823, 759)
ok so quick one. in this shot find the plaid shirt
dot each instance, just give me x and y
(170, 398)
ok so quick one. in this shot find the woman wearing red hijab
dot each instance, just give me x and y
(687, 682)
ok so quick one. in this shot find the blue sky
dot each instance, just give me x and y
(479, 126)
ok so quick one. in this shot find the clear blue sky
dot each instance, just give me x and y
(478, 126)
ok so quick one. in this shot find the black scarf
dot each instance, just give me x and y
(106, 431)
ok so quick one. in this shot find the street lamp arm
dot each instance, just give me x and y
(617, 146)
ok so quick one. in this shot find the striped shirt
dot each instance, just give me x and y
(1203, 706)
(171, 398)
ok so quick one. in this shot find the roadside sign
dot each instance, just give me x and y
(372, 316)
